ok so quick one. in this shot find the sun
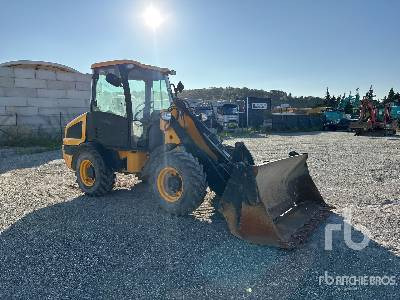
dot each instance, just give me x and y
(152, 17)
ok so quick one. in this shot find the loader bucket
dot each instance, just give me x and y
(276, 203)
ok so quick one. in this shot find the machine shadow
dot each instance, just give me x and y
(123, 246)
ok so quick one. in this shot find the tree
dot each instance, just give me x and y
(214, 94)
(391, 96)
(348, 109)
(357, 99)
(338, 100)
(332, 102)
(397, 98)
(370, 94)
(327, 98)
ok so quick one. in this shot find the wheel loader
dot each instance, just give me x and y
(137, 124)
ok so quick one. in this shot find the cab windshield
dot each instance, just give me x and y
(149, 92)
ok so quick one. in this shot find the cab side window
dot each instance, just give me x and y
(110, 99)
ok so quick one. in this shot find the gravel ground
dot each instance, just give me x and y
(57, 243)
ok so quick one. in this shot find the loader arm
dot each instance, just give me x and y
(185, 128)
(200, 133)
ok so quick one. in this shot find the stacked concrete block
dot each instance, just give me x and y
(6, 82)
(46, 74)
(42, 96)
(24, 73)
(30, 83)
(8, 120)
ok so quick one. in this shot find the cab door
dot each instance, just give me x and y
(108, 123)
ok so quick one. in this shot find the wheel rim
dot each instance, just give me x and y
(170, 184)
(87, 174)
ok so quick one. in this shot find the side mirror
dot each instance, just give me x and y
(113, 80)
(180, 87)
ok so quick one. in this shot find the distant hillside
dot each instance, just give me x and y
(231, 93)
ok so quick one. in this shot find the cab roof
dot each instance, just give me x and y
(127, 61)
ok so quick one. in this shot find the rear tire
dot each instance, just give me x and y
(177, 181)
(93, 176)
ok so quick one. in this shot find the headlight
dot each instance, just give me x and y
(166, 115)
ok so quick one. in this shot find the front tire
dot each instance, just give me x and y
(93, 176)
(178, 182)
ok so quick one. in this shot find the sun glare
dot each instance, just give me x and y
(152, 17)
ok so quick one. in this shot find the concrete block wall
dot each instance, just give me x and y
(42, 98)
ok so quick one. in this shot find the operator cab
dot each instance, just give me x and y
(127, 98)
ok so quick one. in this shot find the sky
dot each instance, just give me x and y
(300, 46)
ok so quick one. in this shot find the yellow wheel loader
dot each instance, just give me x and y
(137, 124)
